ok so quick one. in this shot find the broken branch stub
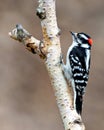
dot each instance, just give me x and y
(32, 44)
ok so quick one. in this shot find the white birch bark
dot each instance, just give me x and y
(49, 49)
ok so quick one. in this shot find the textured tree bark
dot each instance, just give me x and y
(50, 51)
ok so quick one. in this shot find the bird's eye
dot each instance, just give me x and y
(80, 37)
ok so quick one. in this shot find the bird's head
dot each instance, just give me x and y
(82, 39)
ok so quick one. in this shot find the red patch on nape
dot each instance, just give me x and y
(90, 41)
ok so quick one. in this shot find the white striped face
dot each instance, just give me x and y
(83, 36)
(84, 39)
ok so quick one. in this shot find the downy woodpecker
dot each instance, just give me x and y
(77, 66)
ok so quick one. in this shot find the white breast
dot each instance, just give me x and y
(87, 59)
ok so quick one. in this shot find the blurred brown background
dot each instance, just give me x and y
(27, 100)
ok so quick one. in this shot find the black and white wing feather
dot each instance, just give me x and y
(79, 64)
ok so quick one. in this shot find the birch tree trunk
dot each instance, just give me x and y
(50, 51)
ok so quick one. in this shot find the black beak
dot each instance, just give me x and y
(72, 33)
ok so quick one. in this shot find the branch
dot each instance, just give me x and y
(49, 49)
(32, 44)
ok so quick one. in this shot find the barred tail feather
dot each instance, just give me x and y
(79, 103)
